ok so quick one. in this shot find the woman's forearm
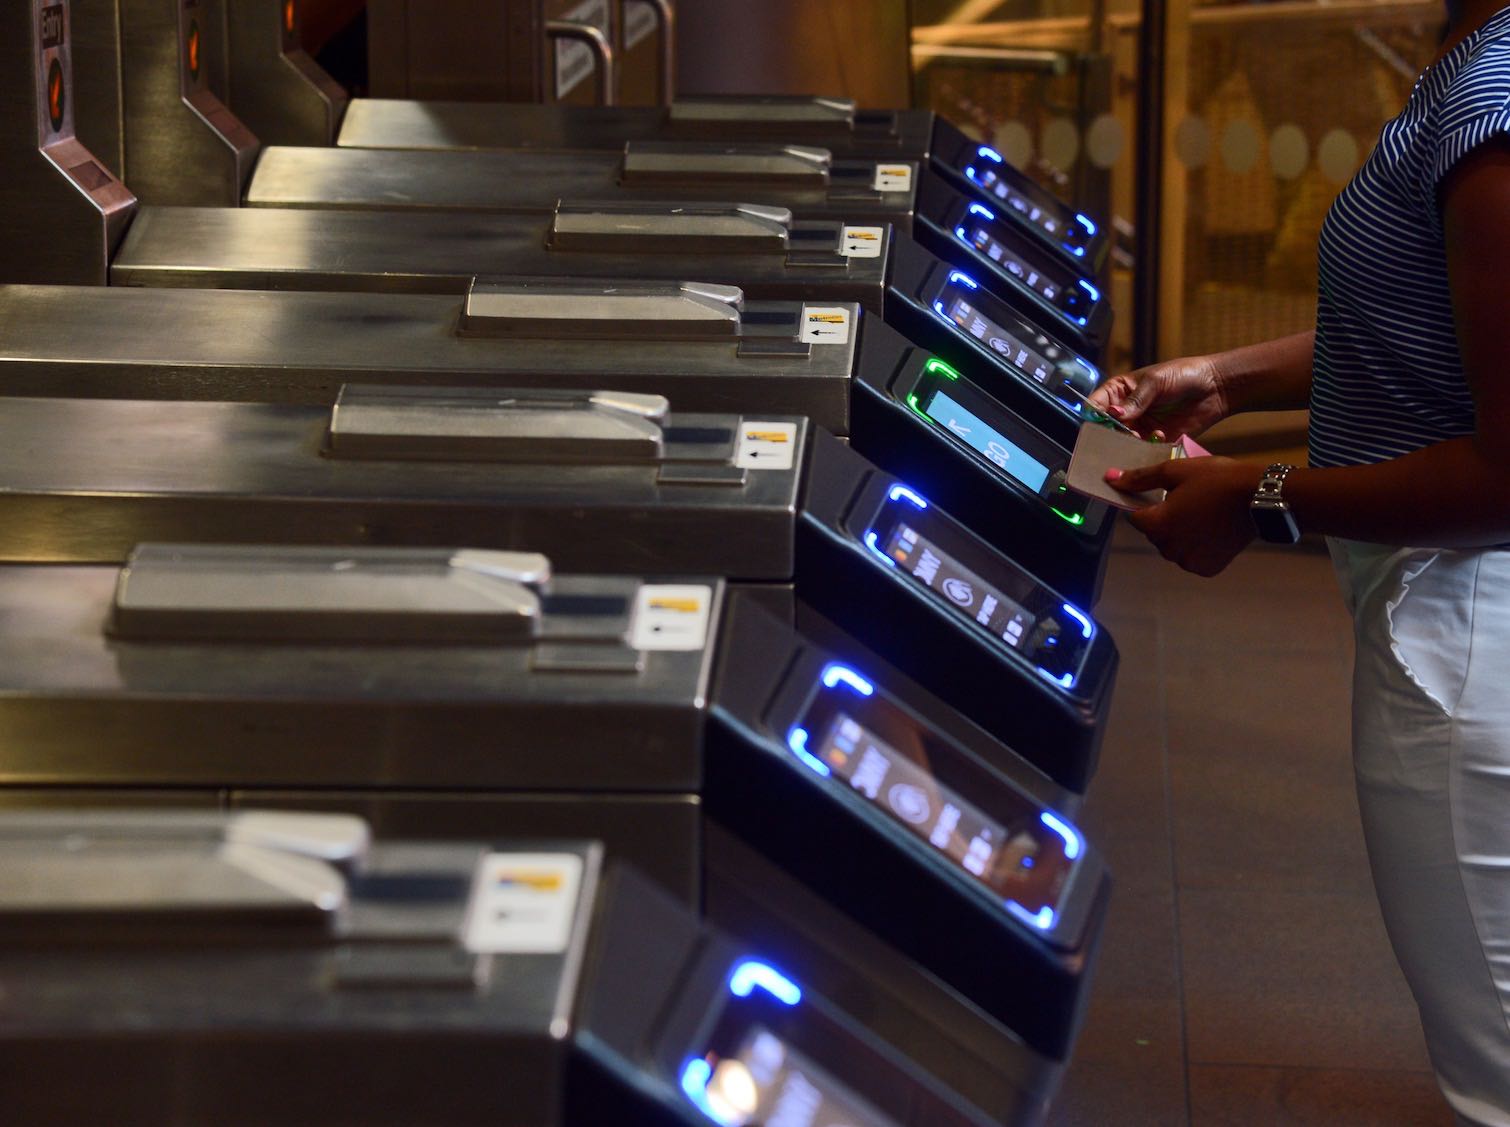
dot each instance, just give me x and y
(1272, 376)
(1453, 494)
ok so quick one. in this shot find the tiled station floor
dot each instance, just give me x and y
(1245, 977)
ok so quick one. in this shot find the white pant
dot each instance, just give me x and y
(1431, 750)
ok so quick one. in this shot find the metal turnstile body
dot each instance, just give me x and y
(272, 84)
(762, 250)
(701, 346)
(918, 417)
(270, 967)
(1001, 645)
(831, 123)
(439, 693)
(599, 482)
(182, 145)
(805, 179)
(62, 212)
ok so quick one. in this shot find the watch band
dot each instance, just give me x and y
(1271, 514)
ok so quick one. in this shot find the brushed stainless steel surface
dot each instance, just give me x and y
(805, 180)
(497, 425)
(78, 708)
(292, 248)
(277, 347)
(183, 146)
(542, 307)
(605, 62)
(263, 593)
(87, 480)
(98, 106)
(831, 122)
(273, 86)
(61, 211)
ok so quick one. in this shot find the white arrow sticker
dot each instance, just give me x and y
(862, 242)
(669, 616)
(766, 446)
(824, 324)
(893, 178)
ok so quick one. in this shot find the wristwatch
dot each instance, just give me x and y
(1271, 512)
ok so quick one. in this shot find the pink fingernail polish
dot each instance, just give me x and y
(1113, 475)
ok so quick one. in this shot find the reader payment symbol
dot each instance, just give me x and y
(959, 590)
(910, 802)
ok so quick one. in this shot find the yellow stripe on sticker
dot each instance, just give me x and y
(671, 616)
(862, 242)
(680, 606)
(825, 325)
(535, 881)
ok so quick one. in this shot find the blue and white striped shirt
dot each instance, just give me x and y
(1388, 377)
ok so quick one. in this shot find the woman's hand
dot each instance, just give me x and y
(1203, 522)
(1167, 399)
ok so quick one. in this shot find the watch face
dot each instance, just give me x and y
(1275, 522)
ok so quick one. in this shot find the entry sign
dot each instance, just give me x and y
(54, 111)
(825, 324)
(671, 616)
(523, 903)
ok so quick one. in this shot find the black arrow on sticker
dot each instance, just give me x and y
(823, 332)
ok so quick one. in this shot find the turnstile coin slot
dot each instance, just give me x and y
(980, 586)
(499, 425)
(659, 162)
(336, 596)
(670, 228)
(600, 309)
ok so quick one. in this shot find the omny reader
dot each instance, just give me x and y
(705, 346)
(944, 308)
(920, 418)
(280, 967)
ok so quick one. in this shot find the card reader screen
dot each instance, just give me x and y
(997, 447)
(994, 182)
(935, 568)
(767, 1082)
(982, 240)
(963, 313)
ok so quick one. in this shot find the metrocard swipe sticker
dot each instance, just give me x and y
(523, 903)
(825, 324)
(671, 616)
(892, 178)
(766, 446)
(862, 242)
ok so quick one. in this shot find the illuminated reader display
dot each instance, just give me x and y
(960, 302)
(766, 1081)
(962, 311)
(935, 568)
(991, 172)
(944, 408)
(1074, 297)
(1014, 607)
(1020, 852)
(750, 1071)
